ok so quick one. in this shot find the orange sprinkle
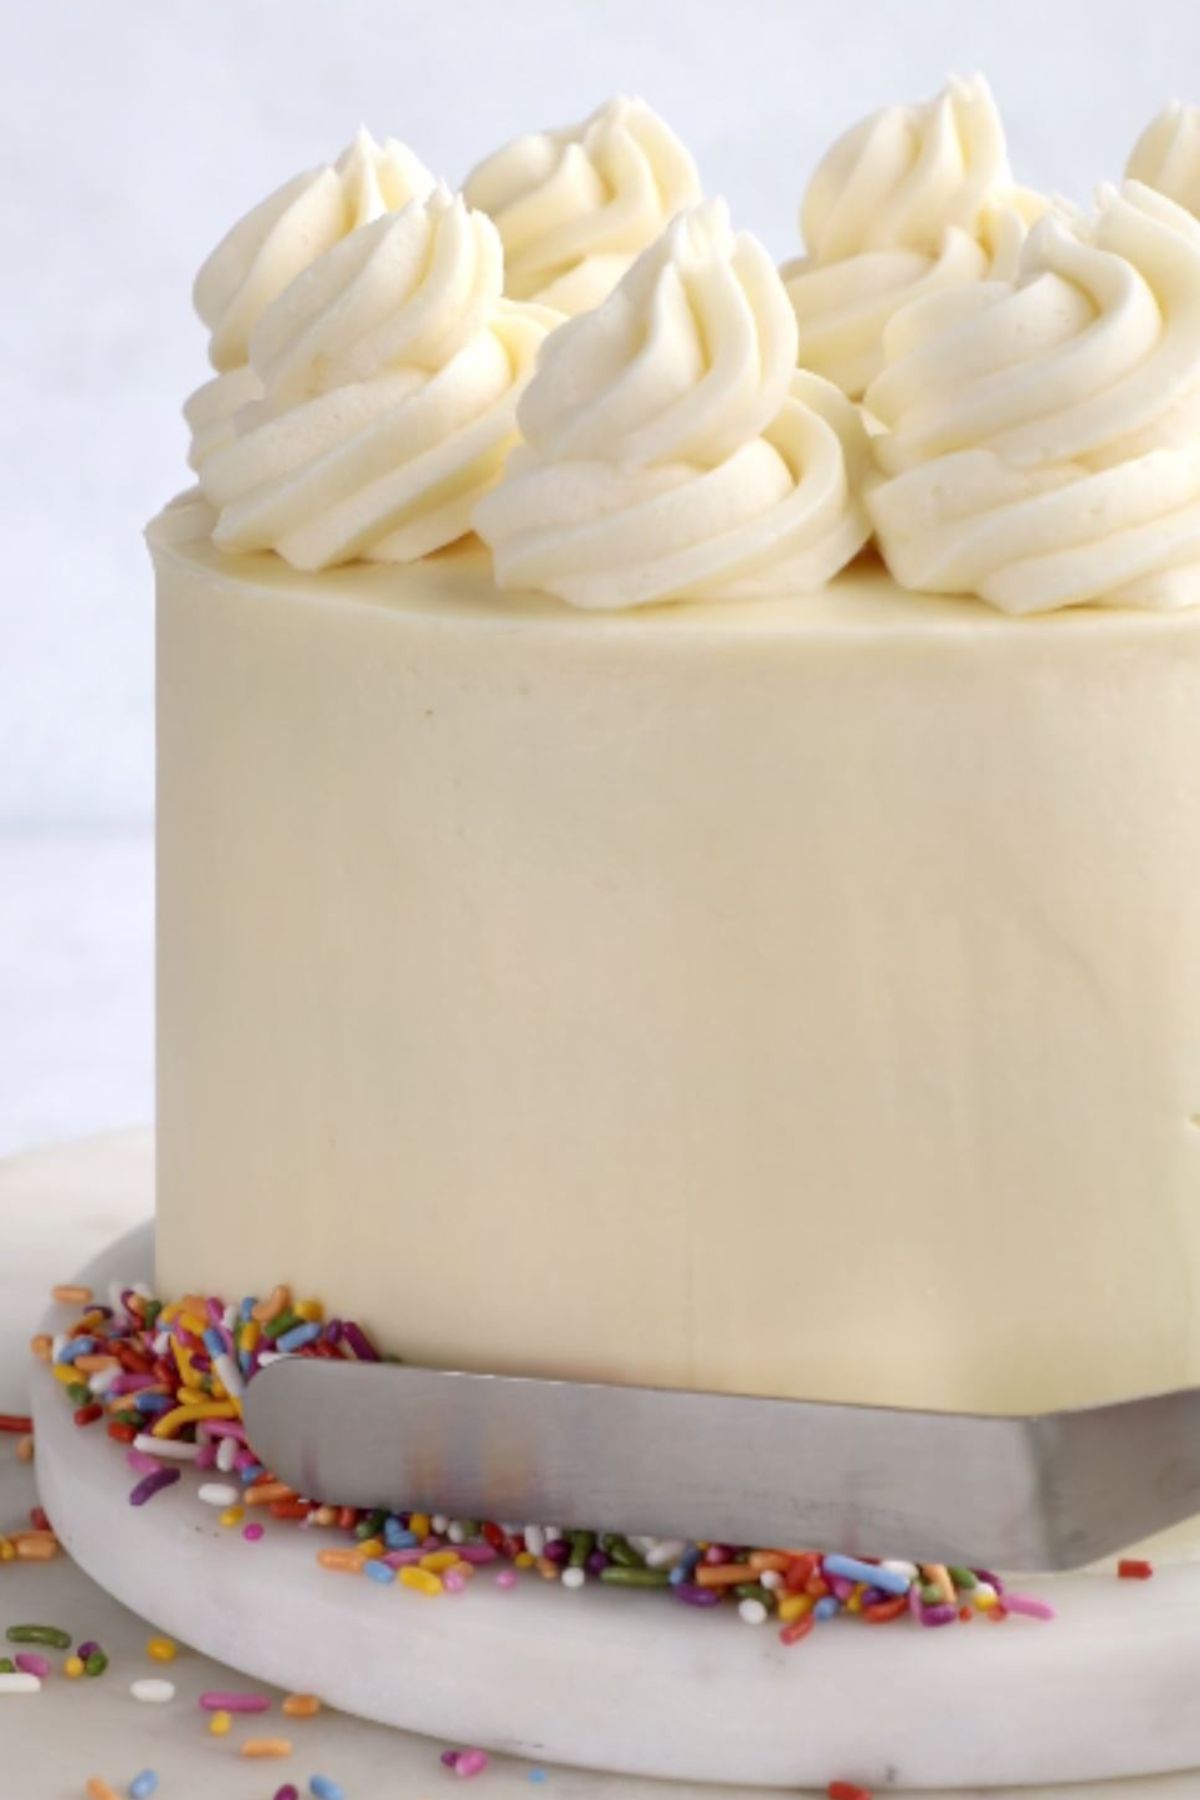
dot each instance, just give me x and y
(91, 1365)
(266, 1491)
(98, 1789)
(769, 1559)
(549, 1571)
(36, 1546)
(25, 1449)
(717, 1575)
(301, 1706)
(40, 1346)
(349, 1561)
(267, 1747)
(272, 1306)
(885, 1610)
(70, 1294)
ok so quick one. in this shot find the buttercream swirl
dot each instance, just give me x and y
(909, 200)
(671, 450)
(1167, 155)
(576, 205)
(268, 248)
(1042, 442)
(390, 372)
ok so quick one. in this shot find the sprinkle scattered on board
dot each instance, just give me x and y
(466, 1764)
(167, 1381)
(1133, 1568)
(847, 1790)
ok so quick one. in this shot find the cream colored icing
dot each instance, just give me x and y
(911, 200)
(266, 250)
(1167, 155)
(576, 205)
(1042, 441)
(669, 448)
(390, 372)
(801, 998)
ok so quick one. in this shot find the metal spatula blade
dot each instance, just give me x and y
(1054, 1491)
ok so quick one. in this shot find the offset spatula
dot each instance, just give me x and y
(1048, 1492)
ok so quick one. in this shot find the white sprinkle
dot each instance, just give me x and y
(983, 1590)
(229, 1375)
(58, 1344)
(752, 1612)
(553, 1533)
(665, 1553)
(456, 1531)
(907, 1569)
(439, 1522)
(229, 1317)
(771, 1579)
(167, 1449)
(162, 1343)
(573, 1578)
(219, 1493)
(535, 1540)
(153, 1691)
(265, 1357)
(103, 1379)
(19, 1684)
(227, 1451)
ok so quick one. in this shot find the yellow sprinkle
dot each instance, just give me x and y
(310, 1310)
(65, 1373)
(250, 1334)
(796, 1606)
(195, 1325)
(855, 1602)
(301, 1706)
(419, 1525)
(161, 1649)
(233, 1515)
(525, 1560)
(170, 1313)
(421, 1581)
(174, 1421)
(371, 1548)
(440, 1560)
(267, 1747)
(8, 1550)
(983, 1601)
(220, 1724)
(73, 1668)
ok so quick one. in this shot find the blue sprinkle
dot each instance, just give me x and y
(397, 1538)
(245, 1361)
(250, 1473)
(143, 1785)
(325, 1789)
(381, 1572)
(825, 1609)
(152, 1403)
(80, 1346)
(298, 1336)
(214, 1341)
(852, 1570)
(538, 1775)
(246, 1308)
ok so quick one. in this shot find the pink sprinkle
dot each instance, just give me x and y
(1031, 1607)
(252, 1533)
(840, 1586)
(225, 1428)
(476, 1553)
(131, 1384)
(244, 1458)
(470, 1762)
(207, 1457)
(216, 1701)
(404, 1559)
(140, 1463)
(507, 1578)
(453, 1581)
(30, 1663)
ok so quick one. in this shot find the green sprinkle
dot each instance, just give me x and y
(150, 1312)
(7, 1667)
(370, 1527)
(932, 1596)
(582, 1544)
(754, 1590)
(96, 1663)
(79, 1393)
(963, 1578)
(618, 1576)
(621, 1551)
(39, 1634)
(284, 1322)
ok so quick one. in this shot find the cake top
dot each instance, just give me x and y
(1002, 389)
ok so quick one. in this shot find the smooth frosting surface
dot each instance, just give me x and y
(805, 997)
(1167, 155)
(390, 371)
(669, 448)
(281, 236)
(910, 200)
(574, 206)
(1042, 442)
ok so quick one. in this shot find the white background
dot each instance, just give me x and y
(136, 131)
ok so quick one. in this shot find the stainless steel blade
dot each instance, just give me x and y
(1048, 1492)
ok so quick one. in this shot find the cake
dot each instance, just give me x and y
(617, 922)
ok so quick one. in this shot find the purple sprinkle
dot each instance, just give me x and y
(405, 1559)
(476, 1553)
(938, 1615)
(153, 1484)
(216, 1312)
(334, 1333)
(87, 1649)
(992, 1580)
(252, 1533)
(697, 1596)
(596, 1562)
(287, 1792)
(449, 1758)
(359, 1342)
(557, 1551)
(30, 1663)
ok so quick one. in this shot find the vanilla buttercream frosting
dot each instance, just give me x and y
(1042, 438)
(1167, 155)
(267, 249)
(390, 371)
(575, 206)
(670, 448)
(909, 200)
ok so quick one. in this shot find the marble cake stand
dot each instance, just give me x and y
(633, 1684)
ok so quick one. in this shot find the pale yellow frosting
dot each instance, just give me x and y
(1167, 155)
(1042, 442)
(669, 448)
(910, 200)
(574, 206)
(281, 236)
(390, 372)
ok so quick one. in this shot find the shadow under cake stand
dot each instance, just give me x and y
(634, 1683)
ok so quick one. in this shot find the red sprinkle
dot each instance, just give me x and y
(846, 1790)
(123, 1434)
(16, 1422)
(1132, 1568)
(87, 1415)
(797, 1629)
(38, 1519)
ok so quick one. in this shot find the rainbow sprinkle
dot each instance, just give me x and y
(167, 1380)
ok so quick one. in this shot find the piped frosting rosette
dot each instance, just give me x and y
(266, 250)
(1042, 442)
(575, 206)
(390, 372)
(1167, 155)
(671, 451)
(908, 201)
